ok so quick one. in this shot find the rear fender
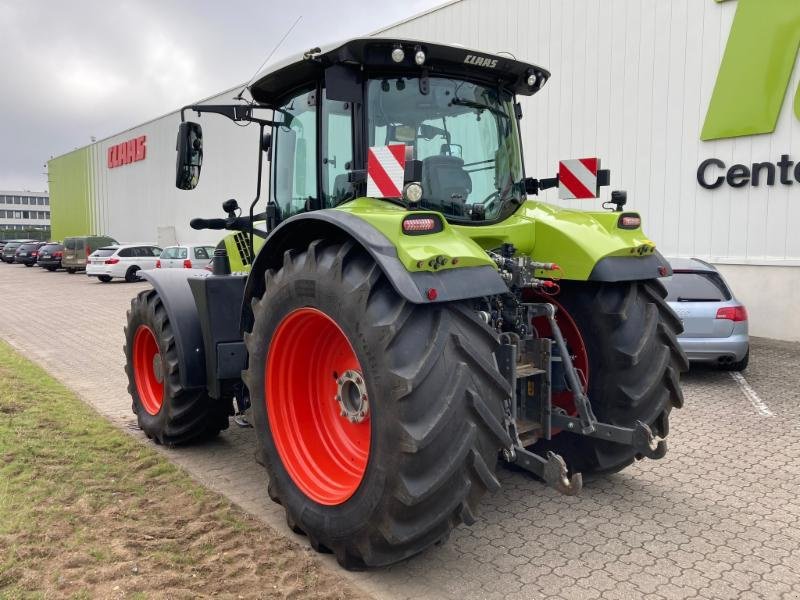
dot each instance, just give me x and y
(339, 225)
(590, 246)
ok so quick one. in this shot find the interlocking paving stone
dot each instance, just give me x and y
(719, 517)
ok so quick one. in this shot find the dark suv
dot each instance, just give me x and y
(27, 254)
(10, 249)
(50, 256)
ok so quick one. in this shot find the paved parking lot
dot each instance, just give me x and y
(719, 517)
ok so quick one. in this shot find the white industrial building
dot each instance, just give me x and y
(631, 83)
(24, 210)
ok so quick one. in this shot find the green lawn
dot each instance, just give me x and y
(89, 511)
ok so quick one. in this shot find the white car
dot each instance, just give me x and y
(187, 256)
(122, 261)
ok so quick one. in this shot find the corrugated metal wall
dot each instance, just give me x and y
(631, 83)
(134, 202)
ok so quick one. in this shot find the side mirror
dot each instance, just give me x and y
(456, 150)
(190, 155)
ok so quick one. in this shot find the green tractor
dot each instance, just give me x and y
(400, 314)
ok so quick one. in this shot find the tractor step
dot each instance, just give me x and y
(528, 370)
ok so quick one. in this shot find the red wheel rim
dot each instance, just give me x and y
(575, 345)
(148, 369)
(323, 451)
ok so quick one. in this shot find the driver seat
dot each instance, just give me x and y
(445, 181)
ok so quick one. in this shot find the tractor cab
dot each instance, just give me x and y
(336, 113)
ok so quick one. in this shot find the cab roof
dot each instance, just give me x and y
(274, 83)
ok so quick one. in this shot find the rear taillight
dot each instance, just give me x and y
(58, 254)
(421, 224)
(88, 251)
(34, 253)
(112, 261)
(629, 221)
(158, 264)
(732, 313)
(187, 264)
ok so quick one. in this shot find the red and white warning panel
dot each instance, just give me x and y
(577, 178)
(386, 166)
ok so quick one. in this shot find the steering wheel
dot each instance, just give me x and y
(490, 200)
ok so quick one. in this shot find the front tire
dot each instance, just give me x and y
(165, 411)
(415, 465)
(632, 361)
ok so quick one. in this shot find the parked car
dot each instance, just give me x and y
(50, 256)
(714, 321)
(78, 249)
(122, 261)
(27, 254)
(189, 256)
(10, 249)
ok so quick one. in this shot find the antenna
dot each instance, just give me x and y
(278, 45)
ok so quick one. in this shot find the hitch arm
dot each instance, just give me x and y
(588, 422)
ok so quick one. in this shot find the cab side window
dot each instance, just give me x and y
(337, 150)
(295, 163)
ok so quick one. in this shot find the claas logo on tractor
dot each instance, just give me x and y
(410, 311)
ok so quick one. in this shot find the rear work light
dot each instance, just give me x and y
(732, 313)
(112, 261)
(187, 264)
(629, 221)
(420, 225)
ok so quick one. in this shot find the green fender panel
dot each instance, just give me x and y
(574, 239)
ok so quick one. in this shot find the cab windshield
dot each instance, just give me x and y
(465, 135)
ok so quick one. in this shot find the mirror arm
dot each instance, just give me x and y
(235, 112)
(258, 187)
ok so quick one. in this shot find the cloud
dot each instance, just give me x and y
(71, 70)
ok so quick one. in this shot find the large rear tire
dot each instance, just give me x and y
(629, 338)
(415, 464)
(165, 411)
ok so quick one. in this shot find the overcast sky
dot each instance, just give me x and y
(72, 69)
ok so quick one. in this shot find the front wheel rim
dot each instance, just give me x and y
(318, 410)
(148, 369)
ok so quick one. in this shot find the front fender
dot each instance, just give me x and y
(173, 288)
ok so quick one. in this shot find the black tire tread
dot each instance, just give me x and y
(446, 449)
(186, 415)
(635, 335)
